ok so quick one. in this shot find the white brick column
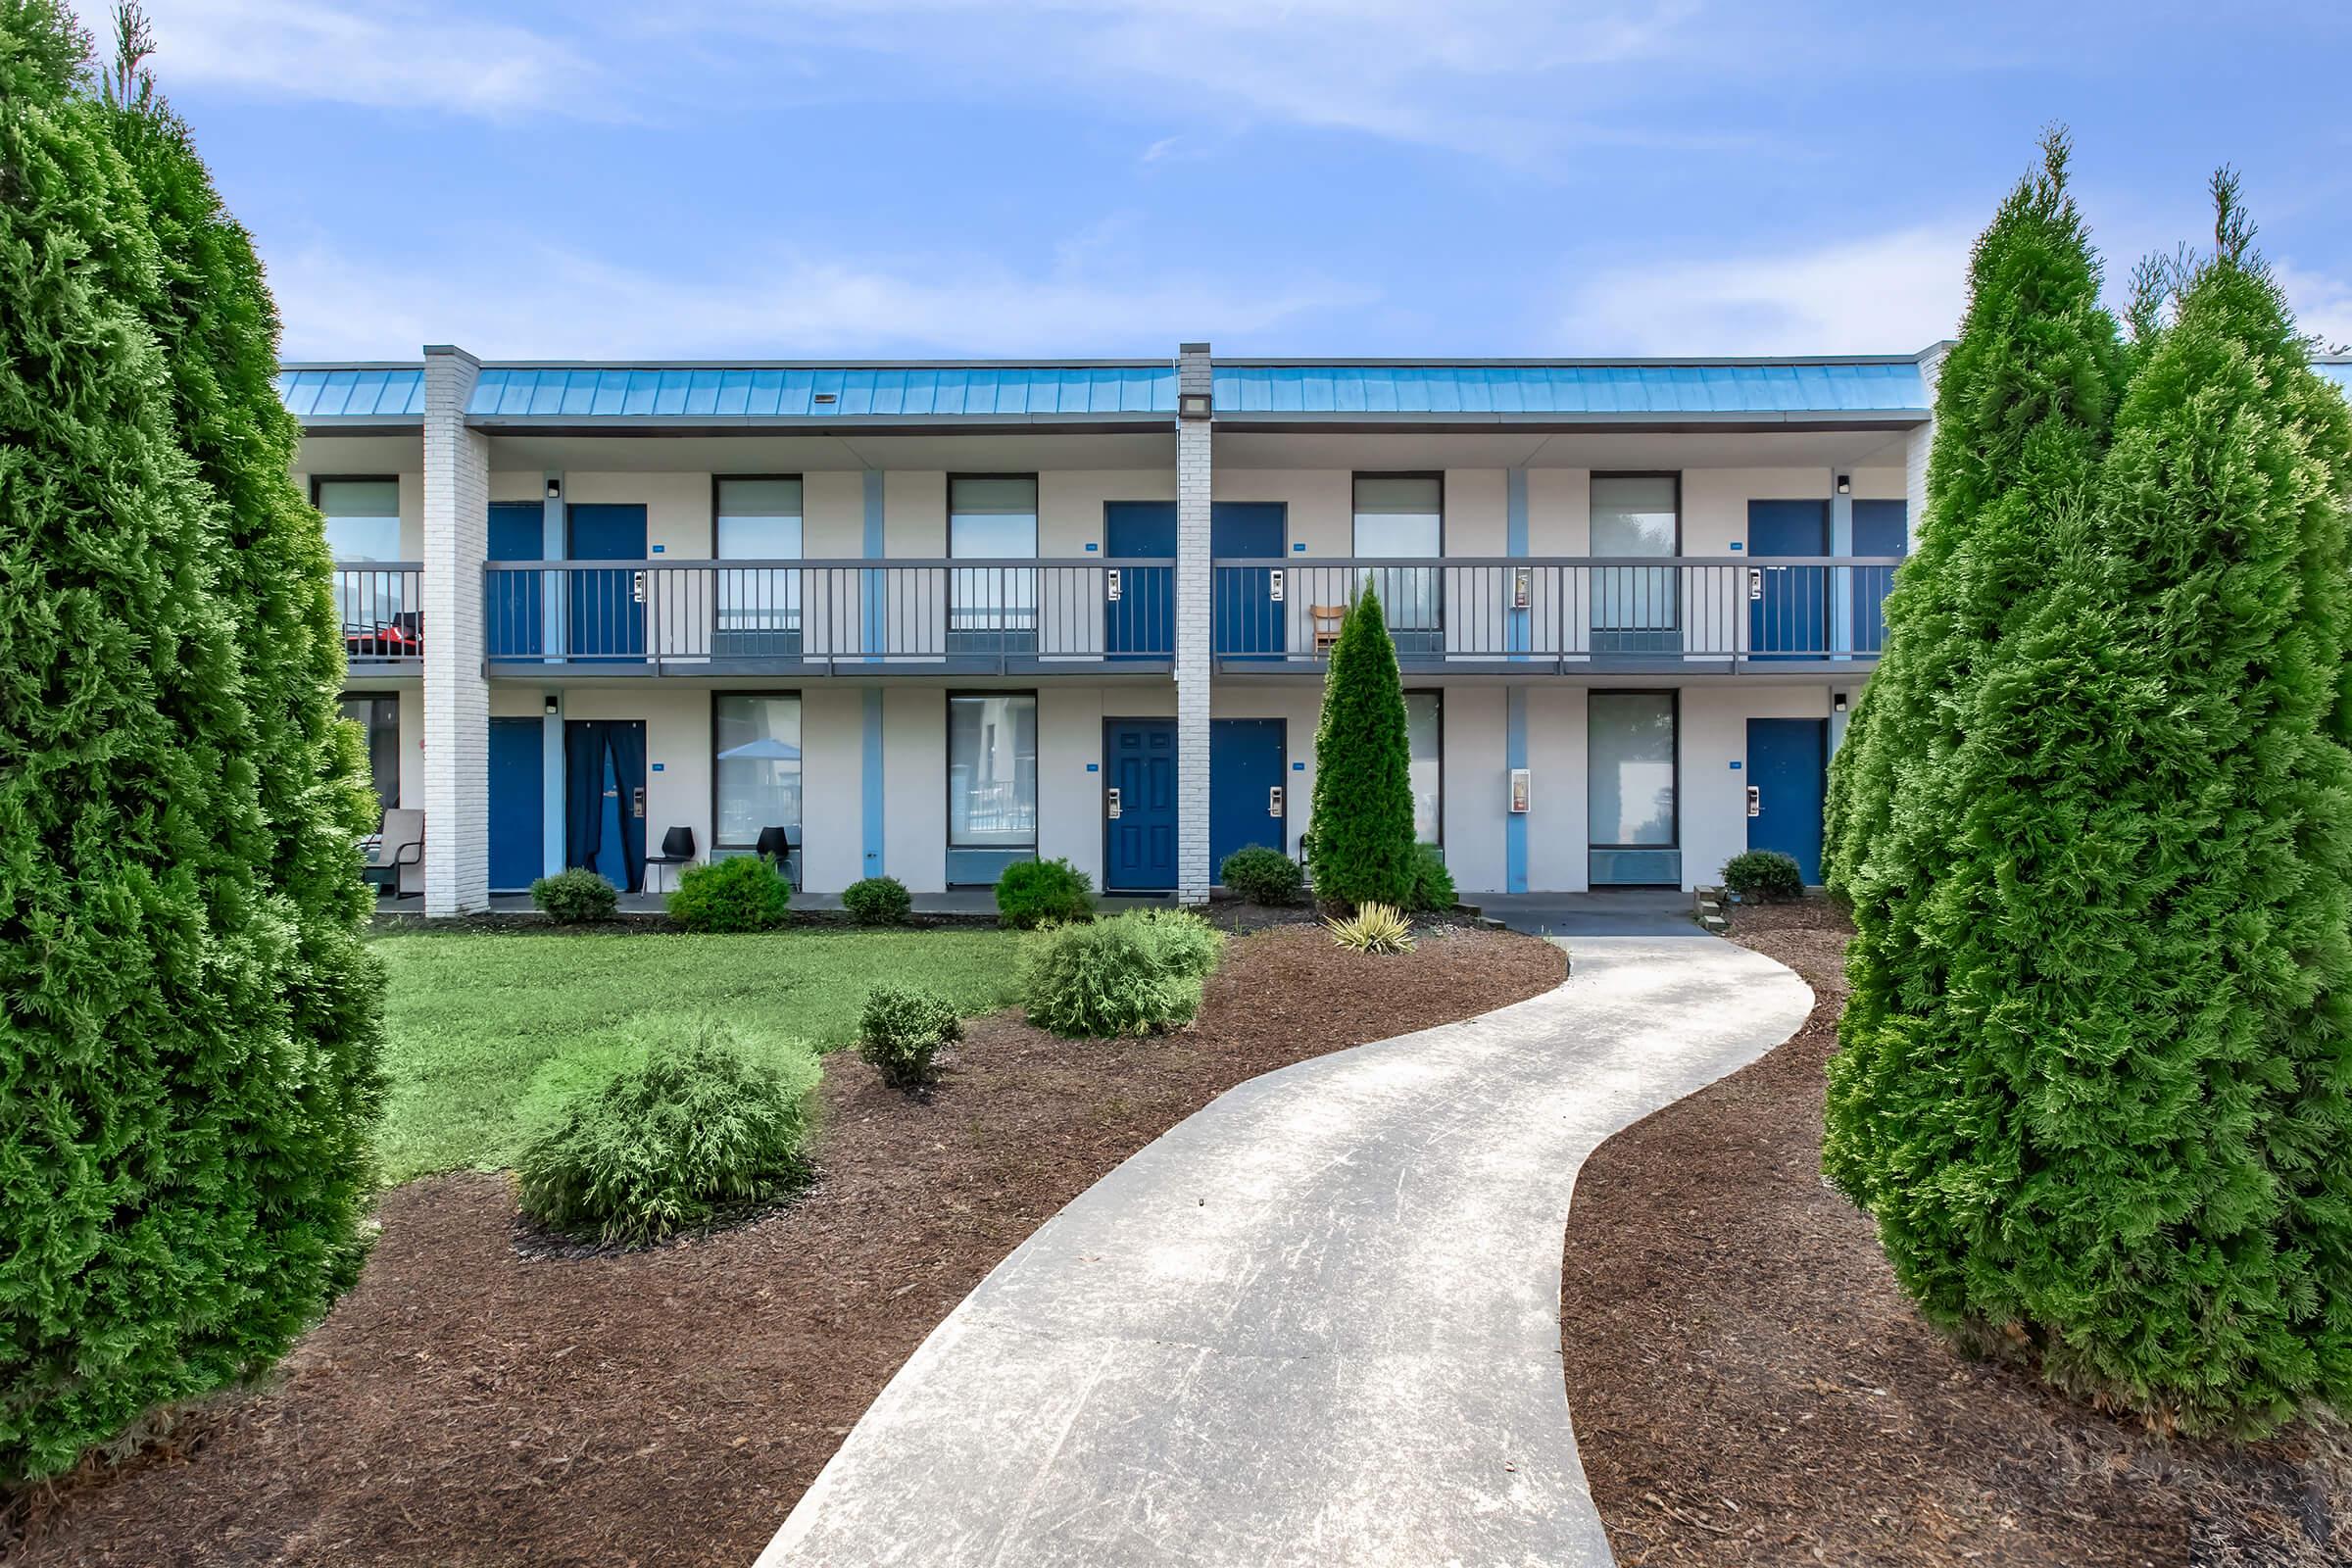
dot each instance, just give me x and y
(457, 698)
(1193, 592)
(1918, 444)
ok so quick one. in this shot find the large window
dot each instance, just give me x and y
(1637, 609)
(363, 518)
(1629, 782)
(1425, 728)
(379, 719)
(991, 521)
(992, 772)
(757, 607)
(757, 772)
(363, 525)
(1402, 515)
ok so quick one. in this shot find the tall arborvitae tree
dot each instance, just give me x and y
(2107, 1126)
(187, 1045)
(1363, 848)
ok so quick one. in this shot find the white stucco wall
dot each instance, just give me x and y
(412, 743)
(1475, 795)
(832, 787)
(914, 517)
(1557, 828)
(914, 775)
(1559, 512)
(833, 516)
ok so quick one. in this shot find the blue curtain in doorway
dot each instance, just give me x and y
(628, 768)
(584, 793)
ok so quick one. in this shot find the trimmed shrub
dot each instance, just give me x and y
(1035, 893)
(703, 1128)
(1766, 875)
(1433, 884)
(192, 1021)
(901, 1032)
(1362, 849)
(741, 893)
(877, 901)
(1137, 973)
(577, 897)
(1373, 928)
(1263, 876)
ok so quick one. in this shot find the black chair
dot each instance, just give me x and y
(776, 844)
(677, 848)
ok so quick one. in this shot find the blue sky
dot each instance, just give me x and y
(1033, 177)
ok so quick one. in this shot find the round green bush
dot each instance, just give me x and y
(1765, 875)
(577, 897)
(705, 1127)
(1433, 884)
(877, 901)
(901, 1032)
(1137, 973)
(1263, 876)
(1034, 893)
(742, 893)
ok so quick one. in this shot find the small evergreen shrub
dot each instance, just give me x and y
(901, 1032)
(1766, 875)
(1137, 973)
(1373, 928)
(577, 897)
(742, 893)
(877, 901)
(1035, 893)
(1433, 884)
(1263, 876)
(703, 1127)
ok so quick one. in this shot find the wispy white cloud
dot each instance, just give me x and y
(2323, 303)
(573, 306)
(400, 54)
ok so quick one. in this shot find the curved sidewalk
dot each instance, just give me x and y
(1315, 1323)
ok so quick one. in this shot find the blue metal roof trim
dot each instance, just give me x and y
(1869, 387)
(909, 392)
(2338, 370)
(359, 392)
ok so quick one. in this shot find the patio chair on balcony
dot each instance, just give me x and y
(677, 848)
(398, 862)
(1326, 621)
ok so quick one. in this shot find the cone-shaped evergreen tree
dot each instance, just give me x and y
(186, 1047)
(2094, 1091)
(1363, 849)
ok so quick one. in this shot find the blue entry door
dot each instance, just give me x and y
(1880, 529)
(607, 602)
(517, 605)
(1141, 623)
(1138, 847)
(1248, 622)
(1246, 766)
(517, 805)
(1790, 618)
(1788, 766)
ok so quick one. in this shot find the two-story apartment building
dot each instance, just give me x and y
(926, 619)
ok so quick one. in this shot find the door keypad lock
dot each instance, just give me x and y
(1110, 803)
(637, 803)
(1274, 800)
(1755, 801)
(1274, 585)
(1111, 583)
(637, 587)
(1755, 582)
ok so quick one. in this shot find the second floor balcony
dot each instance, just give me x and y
(1676, 615)
(813, 617)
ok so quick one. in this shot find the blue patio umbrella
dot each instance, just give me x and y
(764, 750)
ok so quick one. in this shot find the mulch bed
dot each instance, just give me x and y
(467, 1404)
(1750, 1386)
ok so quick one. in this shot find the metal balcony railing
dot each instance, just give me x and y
(383, 620)
(1669, 614)
(811, 616)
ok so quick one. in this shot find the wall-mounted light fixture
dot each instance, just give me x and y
(1845, 484)
(554, 489)
(555, 704)
(1837, 702)
(1193, 406)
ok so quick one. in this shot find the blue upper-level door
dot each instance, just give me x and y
(1141, 623)
(1880, 529)
(1790, 618)
(1787, 767)
(606, 603)
(515, 604)
(1249, 620)
(1139, 844)
(517, 804)
(1246, 767)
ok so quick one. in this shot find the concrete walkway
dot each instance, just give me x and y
(1317, 1323)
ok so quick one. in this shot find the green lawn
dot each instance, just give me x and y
(483, 1031)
